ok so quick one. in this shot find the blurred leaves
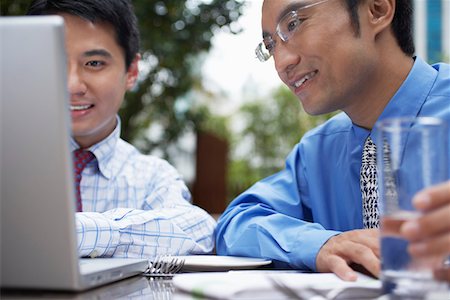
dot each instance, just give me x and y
(174, 35)
(13, 7)
(272, 127)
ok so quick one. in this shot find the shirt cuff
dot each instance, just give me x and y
(306, 252)
(97, 235)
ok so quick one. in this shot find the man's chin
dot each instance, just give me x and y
(315, 110)
(316, 106)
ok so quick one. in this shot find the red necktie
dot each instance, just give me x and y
(81, 159)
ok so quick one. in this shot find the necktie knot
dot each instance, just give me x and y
(81, 159)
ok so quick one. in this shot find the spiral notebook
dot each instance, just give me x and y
(38, 239)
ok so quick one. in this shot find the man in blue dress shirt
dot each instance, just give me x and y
(133, 205)
(357, 57)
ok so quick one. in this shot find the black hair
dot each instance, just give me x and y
(402, 23)
(118, 13)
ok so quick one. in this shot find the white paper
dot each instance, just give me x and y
(259, 285)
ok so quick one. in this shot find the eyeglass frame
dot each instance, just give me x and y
(264, 55)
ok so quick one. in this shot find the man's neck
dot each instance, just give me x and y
(386, 81)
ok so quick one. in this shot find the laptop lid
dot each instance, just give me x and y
(38, 239)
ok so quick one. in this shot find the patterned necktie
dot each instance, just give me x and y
(81, 159)
(369, 185)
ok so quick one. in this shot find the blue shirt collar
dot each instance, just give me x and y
(407, 101)
(411, 95)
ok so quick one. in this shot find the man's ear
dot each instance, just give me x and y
(133, 72)
(381, 14)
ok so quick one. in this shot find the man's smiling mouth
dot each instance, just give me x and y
(80, 107)
(305, 78)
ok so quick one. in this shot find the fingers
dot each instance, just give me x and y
(433, 197)
(432, 247)
(360, 269)
(369, 238)
(442, 274)
(361, 255)
(430, 233)
(372, 241)
(433, 223)
(340, 267)
(359, 247)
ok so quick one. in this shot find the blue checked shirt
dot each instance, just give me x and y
(137, 205)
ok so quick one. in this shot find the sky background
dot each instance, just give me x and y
(233, 74)
(231, 65)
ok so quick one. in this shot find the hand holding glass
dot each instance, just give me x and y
(411, 154)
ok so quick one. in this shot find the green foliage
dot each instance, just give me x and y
(13, 7)
(272, 127)
(174, 34)
(219, 125)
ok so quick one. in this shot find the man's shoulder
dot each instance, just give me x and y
(443, 68)
(443, 77)
(440, 88)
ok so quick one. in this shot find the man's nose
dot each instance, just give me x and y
(75, 82)
(285, 58)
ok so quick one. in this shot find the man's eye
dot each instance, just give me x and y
(95, 63)
(270, 46)
(293, 24)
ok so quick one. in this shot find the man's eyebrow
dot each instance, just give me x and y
(265, 34)
(291, 7)
(97, 52)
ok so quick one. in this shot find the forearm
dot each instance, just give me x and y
(261, 233)
(97, 235)
(137, 233)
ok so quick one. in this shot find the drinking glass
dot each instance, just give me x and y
(412, 154)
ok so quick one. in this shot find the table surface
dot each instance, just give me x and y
(138, 287)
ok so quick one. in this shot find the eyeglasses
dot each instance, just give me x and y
(285, 29)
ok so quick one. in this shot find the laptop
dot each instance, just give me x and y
(38, 237)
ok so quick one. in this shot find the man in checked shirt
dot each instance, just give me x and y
(133, 205)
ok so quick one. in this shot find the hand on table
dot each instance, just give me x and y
(430, 234)
(361, 247)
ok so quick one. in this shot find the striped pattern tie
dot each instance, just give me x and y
(81, 159)
(369, 185)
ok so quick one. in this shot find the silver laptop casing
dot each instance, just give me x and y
(38, 239)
